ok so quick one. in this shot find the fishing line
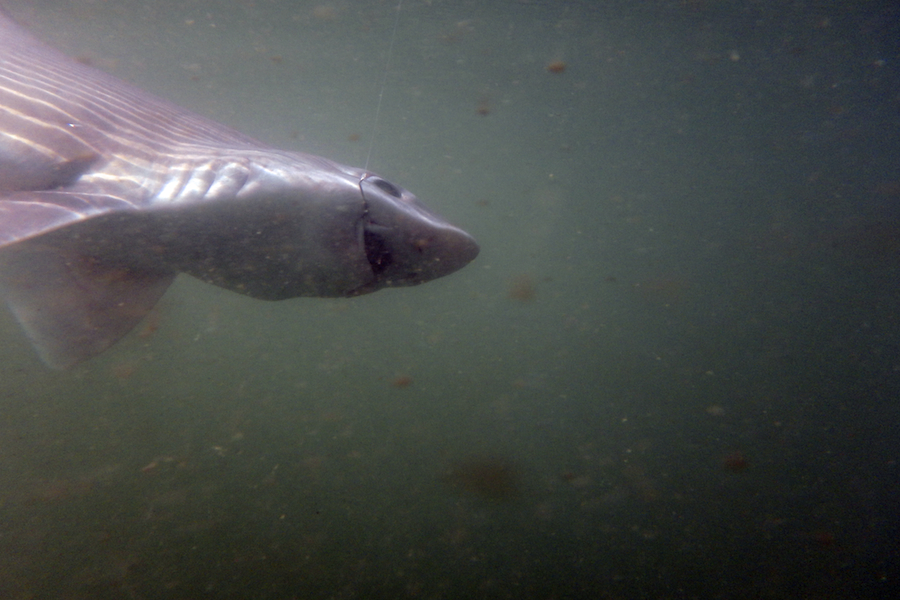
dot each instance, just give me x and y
(387, 65)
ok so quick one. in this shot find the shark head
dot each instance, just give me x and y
(405, 243)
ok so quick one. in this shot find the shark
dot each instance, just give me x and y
(107, 193)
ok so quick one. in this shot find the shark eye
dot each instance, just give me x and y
(387, 186)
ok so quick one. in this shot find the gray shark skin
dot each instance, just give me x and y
(107, 193)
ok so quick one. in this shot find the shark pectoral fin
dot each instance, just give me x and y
(71, 306)
(25, 215)
(35, 171)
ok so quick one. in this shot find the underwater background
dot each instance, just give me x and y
(673, 371)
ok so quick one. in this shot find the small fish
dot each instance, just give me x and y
(107, 193)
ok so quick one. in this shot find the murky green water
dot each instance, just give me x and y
(672, 372)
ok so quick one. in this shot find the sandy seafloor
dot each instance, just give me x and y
(672, 372)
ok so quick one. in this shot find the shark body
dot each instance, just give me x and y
(107, 193)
